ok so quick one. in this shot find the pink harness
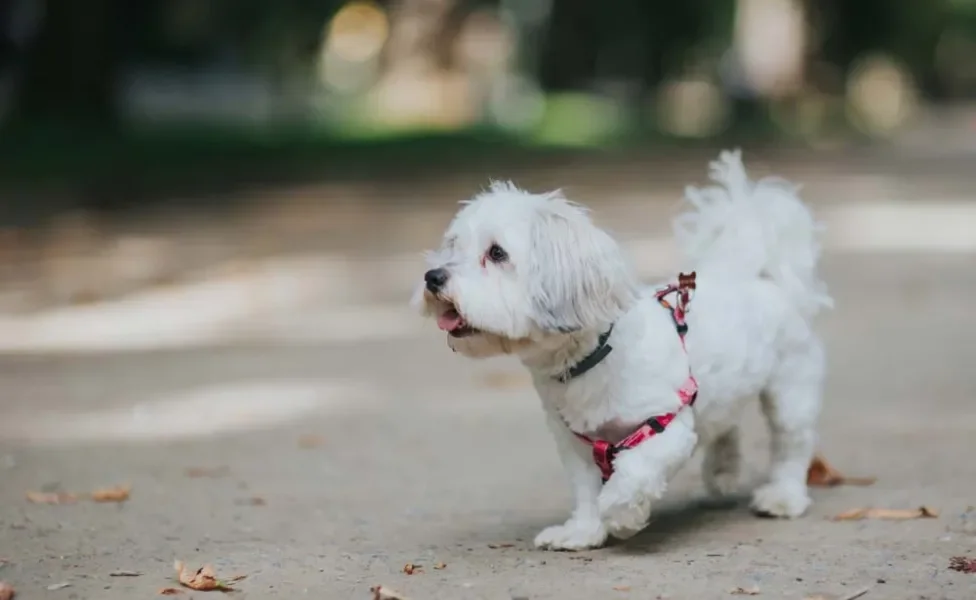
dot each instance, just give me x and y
(603, 451)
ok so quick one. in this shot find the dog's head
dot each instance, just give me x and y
(516, 268)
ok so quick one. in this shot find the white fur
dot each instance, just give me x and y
(754, 246)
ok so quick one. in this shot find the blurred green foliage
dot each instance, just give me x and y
(598, 68)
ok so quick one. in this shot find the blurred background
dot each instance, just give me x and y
(125, 122)
(212, 214)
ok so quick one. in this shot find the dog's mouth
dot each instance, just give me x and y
(451, 321)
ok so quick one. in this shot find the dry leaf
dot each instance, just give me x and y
(497, 546)
(51, 497)
(113, 494)
(892, 514)
(963, 564)
(411, 569)
(124, 574)
(6, 591)
(621, 588)
(203, 579)
(58, 586)
(381, 592)
(309, 441)
(741, 591)
(821, 474)
(119, 493)
(440, 566)
(169, 592)
(197, 472)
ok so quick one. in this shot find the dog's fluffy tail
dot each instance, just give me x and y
(742, 228)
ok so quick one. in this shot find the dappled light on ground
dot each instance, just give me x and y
(201, 413)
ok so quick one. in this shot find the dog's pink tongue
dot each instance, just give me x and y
(449, 321)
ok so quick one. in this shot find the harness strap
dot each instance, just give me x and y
(603, 451)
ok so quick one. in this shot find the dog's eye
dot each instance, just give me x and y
(497, 254)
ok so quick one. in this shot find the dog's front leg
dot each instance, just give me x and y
(641, 476)
(584, 529)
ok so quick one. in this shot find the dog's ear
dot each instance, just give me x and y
(579, 276)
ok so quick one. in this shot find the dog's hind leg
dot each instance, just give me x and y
(791, 405)
(722, 463)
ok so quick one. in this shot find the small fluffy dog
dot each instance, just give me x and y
(531, 275)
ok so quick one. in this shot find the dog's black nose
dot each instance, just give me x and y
(435, 278)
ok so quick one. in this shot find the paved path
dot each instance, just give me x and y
(418, 456)
(427, 458)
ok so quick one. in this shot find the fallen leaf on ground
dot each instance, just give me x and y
(119, 493)
(381, 592)
(6, 591)
(821, 474)
(203, 579)
(51, 497)
(741, 591)
(58, 586)
(963, 564)
(124, 574)
(411, 569)
(891, 514)
(440, 566)
(621, 588)
(497, 546)
(170, 592)
(197, 472)
(309, 441)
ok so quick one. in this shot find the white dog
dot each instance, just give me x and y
(531, 275)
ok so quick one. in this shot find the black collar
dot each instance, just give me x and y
(590, 360)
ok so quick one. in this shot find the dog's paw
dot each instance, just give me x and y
(574, 534)
(778, 499)
(624, 513)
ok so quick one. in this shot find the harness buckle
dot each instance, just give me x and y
(655, 425)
